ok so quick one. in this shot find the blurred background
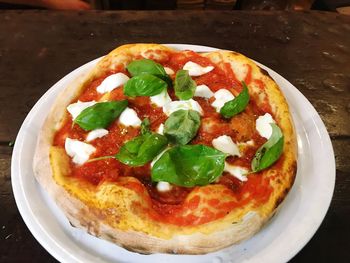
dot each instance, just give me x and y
(340, 6)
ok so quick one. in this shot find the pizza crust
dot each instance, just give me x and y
(113, 219)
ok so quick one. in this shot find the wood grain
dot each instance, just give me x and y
(311, 50)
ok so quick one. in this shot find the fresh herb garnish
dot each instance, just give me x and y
(237, 105)
(100, 115)
(144, 85)
(182, 126)
(184, 85)
(145, 126)
(270, 151)
(189, 165)
(141, 149)
(148, 66)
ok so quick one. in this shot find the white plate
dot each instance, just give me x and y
(289, 230)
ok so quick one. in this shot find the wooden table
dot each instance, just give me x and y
(311, 50)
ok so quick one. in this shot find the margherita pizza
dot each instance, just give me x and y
(160, 150)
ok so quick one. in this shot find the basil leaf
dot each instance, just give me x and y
(237, 105)
(145, 126)
(184, 85)
(148, 66)
(144, 85)
(182, 126)
(270, 151)
(189, 165)
(141, 149)
(100, 115)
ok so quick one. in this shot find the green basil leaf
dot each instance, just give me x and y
(144, 85)
(184, 85)
(141, 149)
(182, 126)
(100, 115)
(270, 151)
(145, 126)
(237, 105)
(148, 66)
(189, 165)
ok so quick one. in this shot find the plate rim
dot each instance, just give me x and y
(17, 183)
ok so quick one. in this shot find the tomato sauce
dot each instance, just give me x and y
(172, 206)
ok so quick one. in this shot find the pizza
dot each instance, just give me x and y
(161, 150)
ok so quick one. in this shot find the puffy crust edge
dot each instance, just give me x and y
(82, 216)
(280, 109)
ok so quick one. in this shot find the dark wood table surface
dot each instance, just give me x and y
(311, 50)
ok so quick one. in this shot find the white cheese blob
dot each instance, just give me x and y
(176, 105)
(225, 144)
(250, 142)
(263, 126)
(129, 118)
(169, 71)
(161, 99)
(196, 70)
(98, 133)
(203, 91)
(160, 129)
(221, 97)
(236, 171)
(242, 146)
(76, 108)
(112, 82)
(163, 186)
(79, 151)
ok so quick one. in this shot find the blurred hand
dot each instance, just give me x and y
(53, 4)
(65, 4)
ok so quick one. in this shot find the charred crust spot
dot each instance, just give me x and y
(234, 53)
(281, 198)
(138, 249)
(292, 170)
(72, 224)
(272, 215)
(264, 72)
(171, 251)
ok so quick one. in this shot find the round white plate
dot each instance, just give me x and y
(288, 231)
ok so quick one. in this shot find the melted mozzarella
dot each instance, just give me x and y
(76, 108)
(242, 146)
(129, 118)
(250, 142)
(169, 71)
(173, 106)
(221, 97)
(98, 133)
(160, 129)
(163, 186)
(225, 144)
(263, 126)
(247, 143)
(196, 70)
(161, 99)
(112, 82)
(79, 151)
(236, 171)
(203, 91)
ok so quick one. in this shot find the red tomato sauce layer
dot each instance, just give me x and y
(170, 206)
